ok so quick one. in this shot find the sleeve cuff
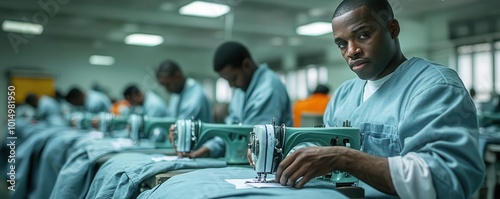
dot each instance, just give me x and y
(216, 146)
(411, 177)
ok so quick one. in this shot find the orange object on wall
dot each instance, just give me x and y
(37, 85)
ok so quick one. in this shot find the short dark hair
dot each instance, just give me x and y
(31, 99)
(322, 89)
(382, 8)
(230, 53)
(168, 67)
(73, 94)
(130, 90)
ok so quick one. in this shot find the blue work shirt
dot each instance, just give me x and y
(153, 106)
(191, 103)
(265, 99)
(50, 111)
(423, 108)
(96, 102)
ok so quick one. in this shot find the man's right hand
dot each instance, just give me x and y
(171, 138)
(249, 157)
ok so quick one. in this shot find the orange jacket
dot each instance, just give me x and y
(316, 103)
(116, 108)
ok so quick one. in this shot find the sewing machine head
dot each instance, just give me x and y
(82, 120)
(270, 143)
(152, 128)
(191, 134)
(156, 129)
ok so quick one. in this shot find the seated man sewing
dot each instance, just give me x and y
(259, 96)
(188, 99)
(418, 123)
(91, 101)
(47, 109)
(149, 104)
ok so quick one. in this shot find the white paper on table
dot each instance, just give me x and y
(121, 143)
(250, 183)
(267, 184)
(240, 183)
(96, 134)
(169, 158)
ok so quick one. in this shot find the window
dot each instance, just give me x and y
(282, 78)
(301, 87)
(465, 69)
(208, 88)
(476, 68)
(223, 91)
(483, 78)
(301, 83)
(291, 82)
(497, 66)
(312, 78)
(323, 75)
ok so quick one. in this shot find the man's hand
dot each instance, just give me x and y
(201, 152)
(72, 123)
(308, 163)
(249, 157)
(171, 138)
(95, 123)
(171, 134)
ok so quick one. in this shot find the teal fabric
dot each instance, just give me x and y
(121, 175)
(210, 183)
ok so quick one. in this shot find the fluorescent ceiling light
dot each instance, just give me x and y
(204, 9)
(314, 29)
(143, 39)
(102, 60)
(22, 27)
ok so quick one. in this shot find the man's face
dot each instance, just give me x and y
(171, 82)
(136, 98)
(366, 45)
(78, 100)
(237, 77)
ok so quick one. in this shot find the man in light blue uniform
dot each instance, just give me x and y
(92, 101)
(188, 100)
(150, 104)
(418, 123)
(47, 109)
(259, 97)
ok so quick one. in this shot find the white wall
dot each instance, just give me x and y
(440, 48)
(68, 61)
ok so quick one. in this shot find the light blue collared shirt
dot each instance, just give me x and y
(423, 108)
(265, 99)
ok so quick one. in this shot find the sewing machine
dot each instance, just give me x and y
(270, 143)
(82, 120)
(154, 129)
(191, 134)
(108, 123)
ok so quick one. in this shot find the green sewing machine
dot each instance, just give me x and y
(191, 134)
(82, 120)
(150, 128)
(270, 143)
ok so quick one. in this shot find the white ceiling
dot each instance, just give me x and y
(266, 26)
